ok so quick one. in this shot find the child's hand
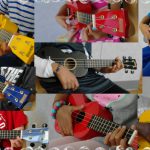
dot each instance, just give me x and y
(16, 143)
(62, 20)
(145, 29)
(4, 48)
(89, 34)
(67, 78)
(64, 118)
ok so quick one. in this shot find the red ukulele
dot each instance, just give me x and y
(94, 120)
(113, 22)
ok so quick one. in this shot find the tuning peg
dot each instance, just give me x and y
(132, 71)
(44, 125)
(124, 57)
(122, 39)
(34, 125)
(130, 58)
(126, 71)
(32, 144)
(43, 146)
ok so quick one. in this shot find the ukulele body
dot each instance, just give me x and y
(144, 118)
(72, 60)
(77, 6)
(80, 124)
(113, 22)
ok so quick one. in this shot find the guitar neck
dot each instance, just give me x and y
(5, 36)
(10, 134)
(96, 63)
(104, 126)
(2, 87)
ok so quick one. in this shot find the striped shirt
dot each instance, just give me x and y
(20, 12)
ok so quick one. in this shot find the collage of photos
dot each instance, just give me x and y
(74, 74)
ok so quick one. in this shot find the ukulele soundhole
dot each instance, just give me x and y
(80, 117)
(70, 63)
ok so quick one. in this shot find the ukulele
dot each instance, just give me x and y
(144, 118)
(22, 46)
(35, 135)
(94, 120)
(16, 95)
(78, 63)
(112, 22)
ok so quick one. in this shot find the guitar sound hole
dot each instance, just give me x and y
(70, 63)
(80, 116)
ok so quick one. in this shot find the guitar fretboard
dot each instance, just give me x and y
(104, 126)
(5, 36)
(9, 134)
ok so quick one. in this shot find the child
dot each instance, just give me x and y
(22, 14)
(145, 28)
(65, 81)
(123, 109)
(12, 120)
(85, 34)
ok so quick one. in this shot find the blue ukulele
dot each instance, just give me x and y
(36, 135)
(18, 96)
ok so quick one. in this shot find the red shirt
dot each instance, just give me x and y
(10, 120)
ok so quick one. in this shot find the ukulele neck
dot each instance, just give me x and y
(5, 36)
(10, 134)
(104, 126)
(84, 18)
(2, 87)
(96, 63)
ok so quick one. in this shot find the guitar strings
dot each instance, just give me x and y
(101, 123)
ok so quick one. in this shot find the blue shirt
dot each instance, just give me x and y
(20, 12)
(148, 14)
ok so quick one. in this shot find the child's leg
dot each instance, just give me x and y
(74, 144)
(62, 141)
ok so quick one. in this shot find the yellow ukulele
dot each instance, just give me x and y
(22, 46)
(144, 118)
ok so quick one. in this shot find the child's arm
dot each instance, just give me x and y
(145, 28)
(46, 68)
(63, 115)
(3, 7)
(62, 17)
(17, 143)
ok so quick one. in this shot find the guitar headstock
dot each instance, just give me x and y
(18, 96)
(129, 64)
(36, 135)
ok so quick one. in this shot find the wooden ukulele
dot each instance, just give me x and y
(94, 120)
(16, 95)
(22, 46)
(113, 22)
(144, 118)
(78, 63)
